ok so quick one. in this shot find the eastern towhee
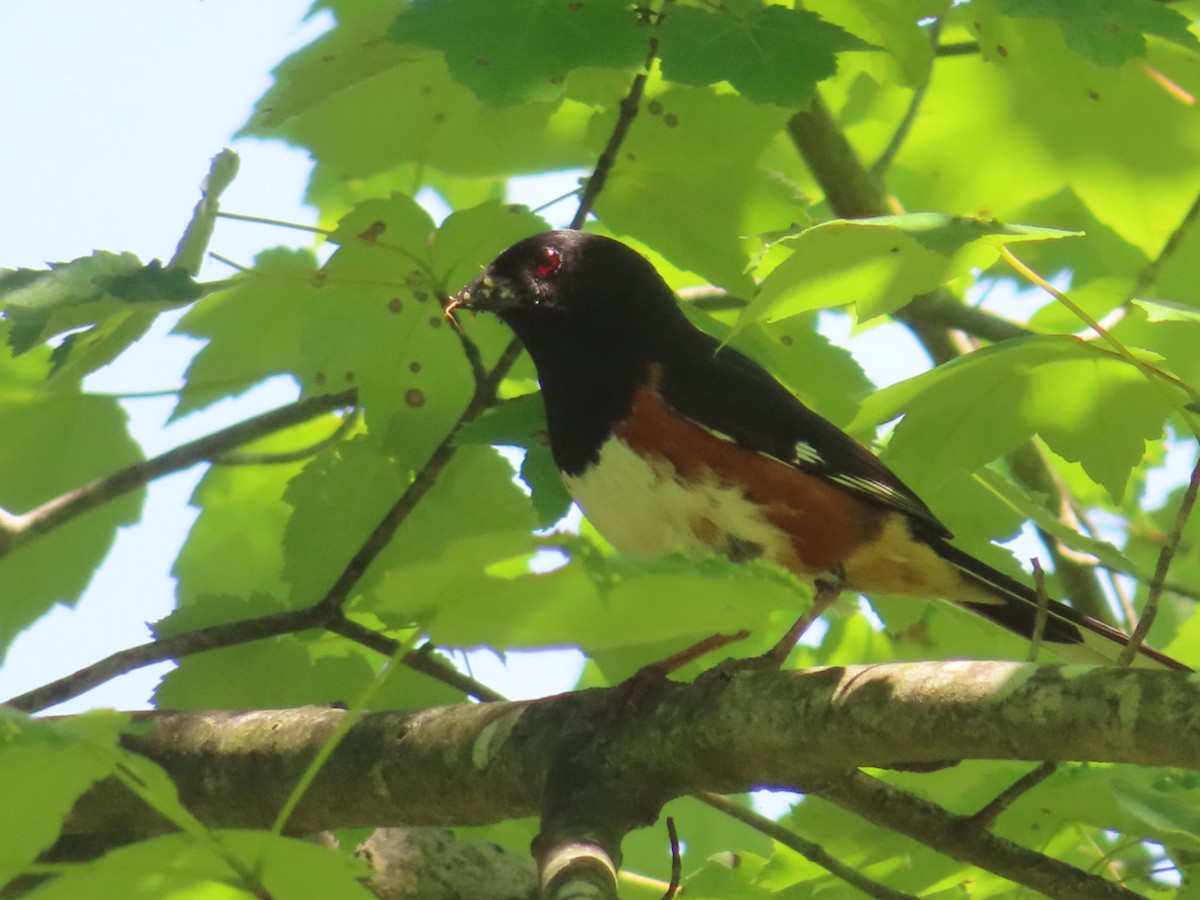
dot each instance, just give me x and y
(670, 442)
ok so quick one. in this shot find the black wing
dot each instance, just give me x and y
(728, 393)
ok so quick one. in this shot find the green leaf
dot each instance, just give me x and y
(1107, 32)
(54, 442)
(112, 296)
(305, 670)
(507, 51)
(1166, 310)
(327, 98)
(691, 136)
(771, 55)
(1088, 406)
(1137, 170)
(474, 515)
(470, 238)
(252, 329)
(521, 422)
(893, 25)
(44, 767)
(337, 501)
(880, 264)
(241, 523)
(1171, 819)
(177, 866)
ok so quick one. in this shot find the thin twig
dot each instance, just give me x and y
(827, 593)
(470, 349)
(884, 162)
(485, 396)
(215, 637)
(18, 530)
(811, 851)
(1149, 274)
(325, 613)
(627, 112)
(676, 860)
(1150, 610)
(421, 660)
(991, 811)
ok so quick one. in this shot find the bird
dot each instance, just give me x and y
(671, 442)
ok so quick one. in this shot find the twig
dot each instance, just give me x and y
(991, 811)
(1151, 271)
(215, 637)
(1160, 570)
(676, 860)
(952, 835)
(811, 851)
(485, 396)
(421, 660)
(17, 530)
(470, 349)
(884, 162)
(628, 110)
(327, 611)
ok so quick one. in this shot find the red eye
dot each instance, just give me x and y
(549, 259)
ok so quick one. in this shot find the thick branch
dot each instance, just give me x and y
(475, 764)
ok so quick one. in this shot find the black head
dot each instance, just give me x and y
(567, 291)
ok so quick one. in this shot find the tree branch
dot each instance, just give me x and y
(627, 112)
(956, 837)
(474, 764)
(18, 530)
(810, 850)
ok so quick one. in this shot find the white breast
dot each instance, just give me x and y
(642, 508)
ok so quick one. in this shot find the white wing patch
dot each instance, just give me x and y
(804, 452)
(868, 486)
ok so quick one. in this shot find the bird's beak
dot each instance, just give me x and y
(487, 293)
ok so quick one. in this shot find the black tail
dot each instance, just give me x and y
(1069, 633)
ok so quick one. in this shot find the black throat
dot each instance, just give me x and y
(587, 387)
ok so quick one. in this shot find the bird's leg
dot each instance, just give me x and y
(829, 588)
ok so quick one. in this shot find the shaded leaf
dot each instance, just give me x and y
(112, 296)
(772, 54)
(507, 51)
(1107, 32)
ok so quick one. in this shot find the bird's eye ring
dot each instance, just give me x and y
(548, 263)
